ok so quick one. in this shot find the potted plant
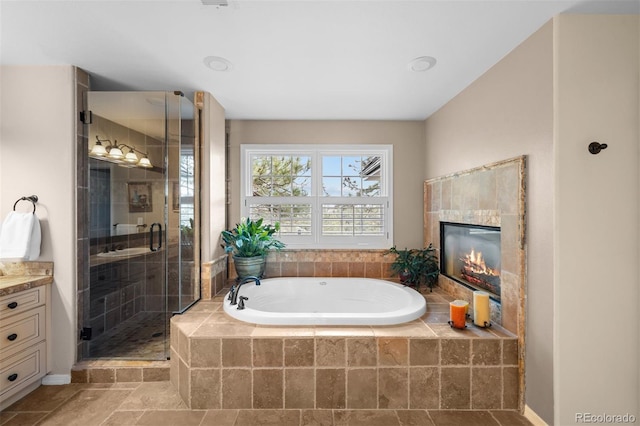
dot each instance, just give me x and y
(416, 266)
(249, 242)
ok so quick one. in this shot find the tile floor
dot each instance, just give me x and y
(158, 404)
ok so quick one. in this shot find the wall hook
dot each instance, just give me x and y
(596, 147)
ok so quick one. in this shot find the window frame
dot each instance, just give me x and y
(316, 240)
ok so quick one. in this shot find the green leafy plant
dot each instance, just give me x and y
(251, 238)
(416, 266)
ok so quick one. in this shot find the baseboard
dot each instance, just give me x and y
(531, 415)
(56, 379)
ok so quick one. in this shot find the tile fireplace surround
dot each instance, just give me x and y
(491, 195)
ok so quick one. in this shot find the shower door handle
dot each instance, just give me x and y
(151, 245)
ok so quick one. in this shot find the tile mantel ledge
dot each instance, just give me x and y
(19, 276)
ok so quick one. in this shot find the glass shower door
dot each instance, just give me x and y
(139, 216)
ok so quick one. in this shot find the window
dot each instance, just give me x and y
(186, 188)
(323, 196)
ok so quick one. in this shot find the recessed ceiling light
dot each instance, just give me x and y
(218, 63)
(422, 63)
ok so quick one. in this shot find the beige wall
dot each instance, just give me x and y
(213, 177)
(407, 138)
(38, 139)
(596, 216)
(506, 113)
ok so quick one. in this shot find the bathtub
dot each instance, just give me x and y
(327, 301)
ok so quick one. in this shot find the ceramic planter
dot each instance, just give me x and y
(250, 266)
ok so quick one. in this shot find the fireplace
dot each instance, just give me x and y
(470, 255)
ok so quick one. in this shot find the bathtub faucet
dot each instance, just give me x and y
(233, 293)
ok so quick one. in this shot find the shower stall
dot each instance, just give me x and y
(143, 222)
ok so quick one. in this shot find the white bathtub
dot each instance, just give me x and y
(327, 301)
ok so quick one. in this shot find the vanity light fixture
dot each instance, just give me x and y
(112, 152)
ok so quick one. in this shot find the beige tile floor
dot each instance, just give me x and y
(158, 404)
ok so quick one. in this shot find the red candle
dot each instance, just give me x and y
(458, 313)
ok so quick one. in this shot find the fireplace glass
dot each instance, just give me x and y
(470, 255)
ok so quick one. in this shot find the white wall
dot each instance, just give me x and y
(596, 221)
(38, 137)
(506, 113)
(407, 138)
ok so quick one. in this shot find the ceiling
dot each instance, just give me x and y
(296, 59)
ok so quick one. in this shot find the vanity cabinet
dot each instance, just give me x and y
(23, 340)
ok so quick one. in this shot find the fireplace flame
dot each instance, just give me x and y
(476, 264)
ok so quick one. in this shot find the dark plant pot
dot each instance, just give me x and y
(404, 276)
(250, 266)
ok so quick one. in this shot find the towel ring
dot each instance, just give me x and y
(32, 198)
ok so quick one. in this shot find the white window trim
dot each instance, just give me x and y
(317, 241)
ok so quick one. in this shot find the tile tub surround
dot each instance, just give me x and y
(218, 362)
(213, 277)
(326, 263)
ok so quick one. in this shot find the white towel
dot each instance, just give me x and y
(20, 236)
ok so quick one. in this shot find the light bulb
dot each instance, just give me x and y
(131, 157)
(144, 162)
(98, 150)
(115, 153)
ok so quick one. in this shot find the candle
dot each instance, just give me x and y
(458, 313)
(481, 313)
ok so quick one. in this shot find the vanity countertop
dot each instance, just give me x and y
(19, 276)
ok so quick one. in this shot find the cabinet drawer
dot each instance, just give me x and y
(15, 303)
(22, 369)
(22, 330)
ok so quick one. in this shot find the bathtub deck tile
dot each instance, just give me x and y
(446, 331)
(345, 331)
(219, 317)
(282, 331)
(223, 330)
(435, 317)
(415, 328)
